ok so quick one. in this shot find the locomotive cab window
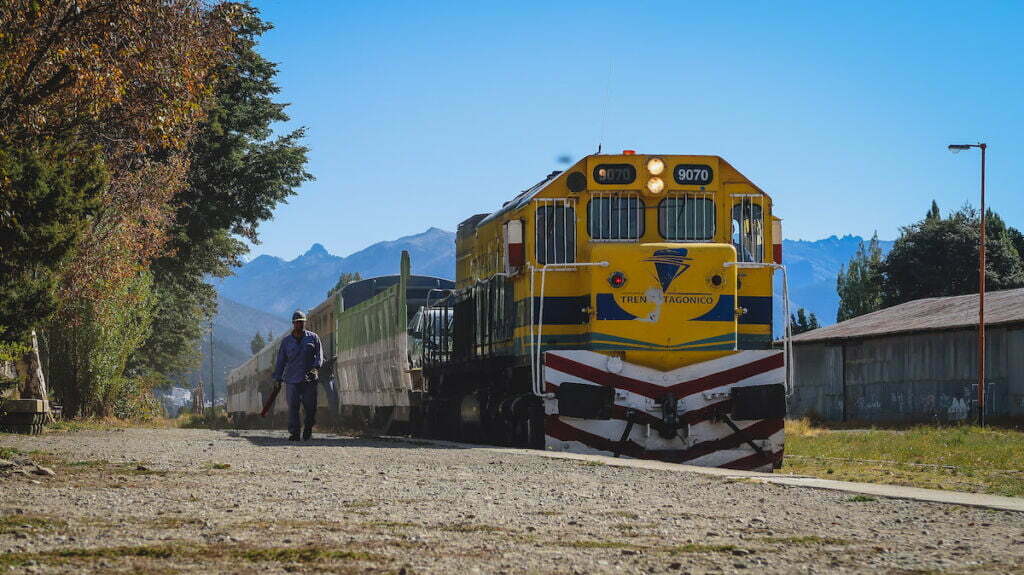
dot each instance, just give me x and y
(556, 232)
(748, 230)
(687, 218)
(614, 217)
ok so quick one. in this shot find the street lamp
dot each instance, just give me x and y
(956, 148)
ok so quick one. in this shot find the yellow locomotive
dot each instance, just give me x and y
(623, 305)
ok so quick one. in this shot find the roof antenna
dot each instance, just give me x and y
(604, 110)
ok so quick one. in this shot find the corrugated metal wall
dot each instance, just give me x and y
(912, 377)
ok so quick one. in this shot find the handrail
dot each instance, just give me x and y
(536, 335)
(787, 343)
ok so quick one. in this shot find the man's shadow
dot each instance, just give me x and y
(280, 439)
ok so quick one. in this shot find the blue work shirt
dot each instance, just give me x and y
(296, 356)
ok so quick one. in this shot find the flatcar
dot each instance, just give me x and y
(340, 322)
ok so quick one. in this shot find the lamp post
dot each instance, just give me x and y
(955, 148)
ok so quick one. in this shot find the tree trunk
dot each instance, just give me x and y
(30, 373)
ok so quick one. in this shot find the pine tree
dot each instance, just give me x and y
(46, 194)
(859, 283)
(344, 280)
(257, 343)
(801, 322)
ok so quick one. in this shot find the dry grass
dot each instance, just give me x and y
(967, 458)
(107, 424)
(177, 552)
(15, 524)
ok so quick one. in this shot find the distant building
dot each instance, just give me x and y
(916, 361)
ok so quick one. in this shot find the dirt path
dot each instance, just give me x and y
(174, 500)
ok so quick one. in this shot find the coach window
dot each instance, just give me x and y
(556, 232)
(614, 217)
(687, 218)
(748, 230)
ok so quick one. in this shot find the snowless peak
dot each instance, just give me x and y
(316, 249)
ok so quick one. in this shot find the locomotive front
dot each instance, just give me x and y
(669, 262)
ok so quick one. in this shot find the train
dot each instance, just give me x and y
(620, 306)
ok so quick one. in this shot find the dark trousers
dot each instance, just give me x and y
(303, 394)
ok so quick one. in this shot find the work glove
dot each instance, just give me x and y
(312, 375)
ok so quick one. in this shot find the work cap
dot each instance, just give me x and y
(299, 315)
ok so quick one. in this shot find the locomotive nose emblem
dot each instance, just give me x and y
(669, 264)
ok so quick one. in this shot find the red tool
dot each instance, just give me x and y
(270, 400)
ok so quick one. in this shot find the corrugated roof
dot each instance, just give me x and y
(930, 314)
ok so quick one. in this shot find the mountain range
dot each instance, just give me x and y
(279, 287)
(261, 294)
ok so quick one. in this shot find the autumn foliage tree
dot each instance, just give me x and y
(119, 86)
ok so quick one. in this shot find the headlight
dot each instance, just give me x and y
(655, 185)
(655, 166)
(617, 280)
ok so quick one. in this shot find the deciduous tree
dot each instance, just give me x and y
(939, 257)
(127, 80)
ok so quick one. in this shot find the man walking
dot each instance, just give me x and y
(298, 359)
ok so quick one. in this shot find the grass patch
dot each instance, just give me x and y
(150, 551)
(861, 499)
(10, 452)
(106, 424)
(471, 528)
(88, 463)
(190, 551)
(805, 540)
(389, 524)
(701, 548)
(623, 514)
(10, 524)
(965, 458)
(220, 466)
(173, 522)
(592, 463)
(206, 420)
(601, 545)
(360, 503)
(301, 554)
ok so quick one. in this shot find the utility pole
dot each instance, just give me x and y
(213, 389)
(981, 281)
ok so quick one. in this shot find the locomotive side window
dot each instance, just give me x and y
(688, 218)
(748, 230)
(556, 232)
(615, 216)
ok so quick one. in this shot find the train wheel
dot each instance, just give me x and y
(535, 426)
(469, 419)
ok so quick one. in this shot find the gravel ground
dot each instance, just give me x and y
(177, 500)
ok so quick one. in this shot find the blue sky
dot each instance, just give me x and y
(421, 114)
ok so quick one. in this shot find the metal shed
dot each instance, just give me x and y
(916, 361)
